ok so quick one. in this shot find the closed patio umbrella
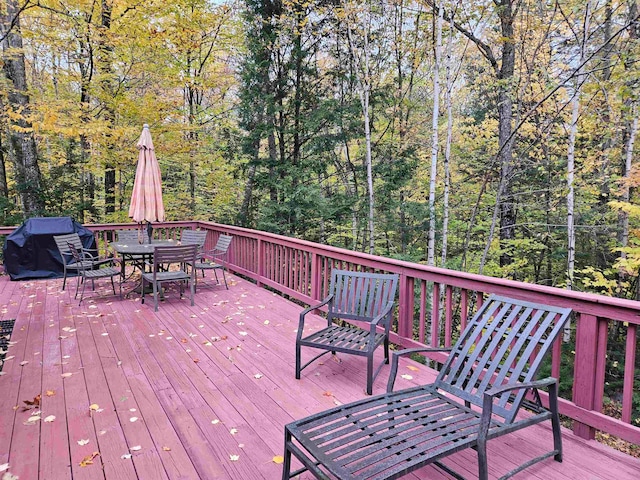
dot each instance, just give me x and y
(146, 198)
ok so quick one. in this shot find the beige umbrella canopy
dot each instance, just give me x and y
(146, 198)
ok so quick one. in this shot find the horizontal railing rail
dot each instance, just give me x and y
(435, 303)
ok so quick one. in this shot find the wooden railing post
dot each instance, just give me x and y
(260, 267)
(405, 306)
(316, 279)
(584, 384)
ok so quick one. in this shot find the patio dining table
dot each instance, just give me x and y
(137, 254)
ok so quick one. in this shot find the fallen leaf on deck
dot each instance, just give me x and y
(196, 360)
(215, 421)
(32, 420)
(88, 460)
(104, 334)
(6, 359)
(4, 466)
(83, 442)
(233, 431)
(9, 476)
(244, 334)
(223, 337)
(166, 449)
(328, 394)
(266, 322)
(136, 448)
(50, 418)
(50, 393)
(169, 338)
(23, 363)
(94, 407)
(407, 377)
(126, 456)
(258, 375)
(132, 410)
(66, 375)
(184, 340)
(234, 458)
(32, 403)
(278, 459)
(412, 368)
(207, 343)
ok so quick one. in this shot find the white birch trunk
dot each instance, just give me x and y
(573, 131)
(434, 142)
(447, 151)
(364, 83)
(626, 196)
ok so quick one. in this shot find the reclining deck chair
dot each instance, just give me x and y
(365, 298)
(491, 367)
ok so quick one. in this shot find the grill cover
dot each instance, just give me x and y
(30, 251)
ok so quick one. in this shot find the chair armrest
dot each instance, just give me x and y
(395, 356)
(104, 261)
(381, 316)
(507, 387)
(307, 310)
(492, 393)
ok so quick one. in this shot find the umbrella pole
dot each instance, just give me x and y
(149, 231)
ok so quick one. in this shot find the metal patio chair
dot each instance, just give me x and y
(197, 237)
(133, 235)
(215, 259)
(68, 262)
(93, 268)
(366, 298)
(476, 397)
(170, 264)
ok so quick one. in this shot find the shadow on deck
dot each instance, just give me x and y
(195, 392)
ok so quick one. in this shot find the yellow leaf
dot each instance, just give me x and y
(88, 460)
(278, 459)
(94, 407)
(412, 368)
(50, 393)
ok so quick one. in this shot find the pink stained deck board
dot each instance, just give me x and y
(176, 398)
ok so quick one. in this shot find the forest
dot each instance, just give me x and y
(491, 136)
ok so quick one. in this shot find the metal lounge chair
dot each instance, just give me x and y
(164, 257)
(362, 297)
(68, 262)
(94, 268)
(215, 259)
(491, 367)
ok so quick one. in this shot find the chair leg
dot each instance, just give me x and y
(155, 296)
(370, 374)
(298, 362)
(555, 421)
(483, 469)
(225, 279)
(84, 284)
(192, 286)
(386, 350)
(64, 277)
(113, 285)
(286, 465)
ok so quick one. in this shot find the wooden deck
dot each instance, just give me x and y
(194, 392)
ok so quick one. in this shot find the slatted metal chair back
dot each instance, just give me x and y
(182, 254)
(131, 236)
(360, 295)
(63, 241)
(196, 237)
(222, 245)
(506, 341)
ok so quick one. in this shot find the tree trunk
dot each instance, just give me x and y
(434, 138)
(505, 142)
(21, 138)
(447, 151)
(105, 67)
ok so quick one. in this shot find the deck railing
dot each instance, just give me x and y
(435, 303)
